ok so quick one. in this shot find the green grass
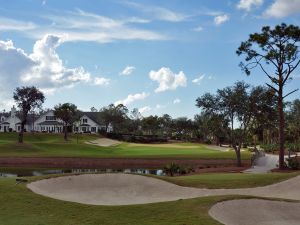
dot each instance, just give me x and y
(20, 206)
(53, 145)
(228, 180)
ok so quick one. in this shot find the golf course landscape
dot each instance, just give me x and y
(22, 206)
(150, 112)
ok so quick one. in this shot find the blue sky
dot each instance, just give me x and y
(158, 56)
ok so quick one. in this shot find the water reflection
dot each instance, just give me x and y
(29, 173)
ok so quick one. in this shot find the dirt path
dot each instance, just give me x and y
(264, 164)
(127, 189)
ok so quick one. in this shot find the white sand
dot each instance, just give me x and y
(127, 189)
(104, 142)
(256, 212)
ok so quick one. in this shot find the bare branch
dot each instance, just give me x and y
(291, 92)
(270, 86)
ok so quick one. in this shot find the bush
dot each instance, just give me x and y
(269, 148)
(173, 169)
(293, 147)
(293, 163)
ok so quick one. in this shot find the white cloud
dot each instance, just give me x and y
(42, 68)
(282, 8)
(132, 98)
(15, 25)
(101, 81)
(199, 79)
(221, 19)
(198, 29)
(80, 25)
(144, 110)
(168, 80)
(158, 106)
(176, 101)
(127, 70)
(159, 13)
(249, 4)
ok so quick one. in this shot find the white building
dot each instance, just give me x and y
(90, 122)
(48, 123)
(10, 122)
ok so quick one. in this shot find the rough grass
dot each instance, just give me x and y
(228, 180)
(20, 206)
(53, 145)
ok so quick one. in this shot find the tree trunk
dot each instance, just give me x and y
(281, 129)
(21, 133)
(237, 149)
(65, 132)
(231, 132)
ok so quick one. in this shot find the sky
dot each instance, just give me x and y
(154, 55)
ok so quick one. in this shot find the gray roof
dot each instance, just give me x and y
(95, 116)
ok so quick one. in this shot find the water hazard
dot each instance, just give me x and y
(25, 172)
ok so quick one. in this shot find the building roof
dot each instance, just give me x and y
(95, 116)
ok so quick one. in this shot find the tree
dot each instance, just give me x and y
(150, 124)
(293, 120)
(114, 115)
(68, 113)
(274, 50)
(93, 109)
(27, 99)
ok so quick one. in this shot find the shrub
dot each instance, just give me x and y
(171, 169)
(293, 163)
(269, 148)
(293, 147)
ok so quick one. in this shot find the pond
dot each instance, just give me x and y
(25, 172)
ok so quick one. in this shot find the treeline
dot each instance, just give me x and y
(237, 115)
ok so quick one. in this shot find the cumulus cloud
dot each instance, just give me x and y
(176, 101)
(248, 5)
(42, 68)
(282, 8)
(127, 70)
(144, 110)
(132, 98)
(168, 80)
(101, 81)
(221, 19)
(199, 79)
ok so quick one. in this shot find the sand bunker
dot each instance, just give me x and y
(256, 211)
(127, 189)
(104, 142)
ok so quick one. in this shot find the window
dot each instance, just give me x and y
(93, 129)
(84, 120)
(50, 118)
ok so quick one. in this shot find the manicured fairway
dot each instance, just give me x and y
(19, 206)
(229, 180)
(53, 145)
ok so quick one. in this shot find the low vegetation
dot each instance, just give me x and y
(228, 180)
